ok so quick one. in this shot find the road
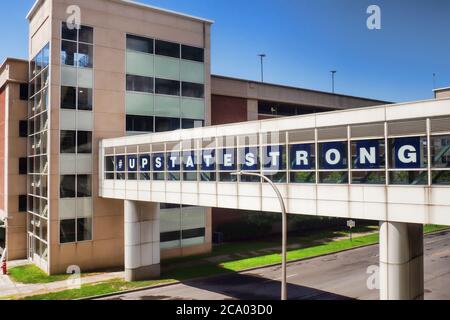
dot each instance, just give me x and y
(333, 277)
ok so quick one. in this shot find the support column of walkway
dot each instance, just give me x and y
(142, 252)
(401, 261)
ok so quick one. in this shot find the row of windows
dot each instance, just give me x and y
(182, 234)
(164, 48)
(75, 141)
(76, 98)
(75, 186)
(159, 124)
(163, 86)
(40, 61)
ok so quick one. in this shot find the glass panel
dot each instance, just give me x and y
(139, 84)
(139, 123)
(440, 151)
(84, 99)
(167, 87)
(193, 90)
(84, 229)
(68, 97)
(68, 53)
(67, 231)
(67, 186)
(86, 34)
(338, 177)
(408, 177)
(84, 142)
(140, 64)
(167, 107)
(84, 187)
(192, 53)
(192, 71)
(303, 177)
(167, 68)
(166, 124)
(189, 123)
(85, 56)
(441, 177)
(165, 48)
(139, 104)
(69, 33)
(68, 141)
(139, 44)
(368, 177)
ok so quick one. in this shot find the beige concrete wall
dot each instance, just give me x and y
(15, 148)
(442, 93)
(269, 92)
(111, 21)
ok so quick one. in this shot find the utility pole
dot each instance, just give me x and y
(262, 56)
(333, 72)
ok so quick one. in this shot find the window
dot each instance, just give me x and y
(67, 231)
(68, 141)
(168, 49)
(67, 186)
(166, 124)
(190, 123)
(68, 33)
(193, 233)
(192, 53)
(139, 83)
(193, 90)
(169, 87)
(23, 91)
(23, 128)
(22, 165)
(22, 202)
(84, 99)
(68, 53)
(76, 47)
(84, 142)
(139, 44)
(73, 98)
(84, 229)
(76, 141)
(139, 123)
(84, 186)
(68, 98)
(86, 34)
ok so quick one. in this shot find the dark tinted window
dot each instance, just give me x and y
(139, 83)
(169, 87)
(84, 99)
(192, 53)
(190, 123)
(193, 90)
(22, 202)
(23, 128)
(67, 141)
(139, 123)
(86, 34)
(170, 236)
(68, 98)
(166, 124)
(67, 186)
(139, 44)
(67, 231)
(68, 34)
(85, 56)
(84, 186)
(84, 229)
(169, 49)
(84, 141)
(22, 165)
(68, 53)
(193, 233)
(23, 91)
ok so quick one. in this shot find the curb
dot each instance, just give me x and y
(237, 272)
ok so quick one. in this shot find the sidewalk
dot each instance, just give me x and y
(10, 289)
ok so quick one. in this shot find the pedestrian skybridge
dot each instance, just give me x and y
(388, 163)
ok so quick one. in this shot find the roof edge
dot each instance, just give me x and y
(136, 4)
(298, 88)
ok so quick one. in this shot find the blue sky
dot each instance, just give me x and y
(304, 40)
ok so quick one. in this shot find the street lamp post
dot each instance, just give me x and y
(262, 56)
(284, 227)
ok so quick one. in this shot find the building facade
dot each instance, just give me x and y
(128, 69)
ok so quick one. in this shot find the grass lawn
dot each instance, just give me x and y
(312, 248)
(31, 274)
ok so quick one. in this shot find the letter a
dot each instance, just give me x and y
(374, 20)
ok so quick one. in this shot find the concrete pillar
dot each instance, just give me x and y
(401, 261)
(142, 252)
